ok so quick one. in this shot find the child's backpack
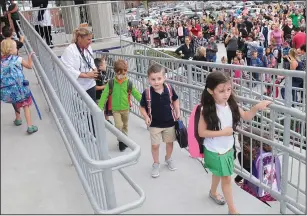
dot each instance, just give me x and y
(181, 134)
(14, 87)
(270, 176)
(180, 129)
(111, 85)
(196, 147)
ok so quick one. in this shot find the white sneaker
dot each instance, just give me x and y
(155, 170)
(170, 164)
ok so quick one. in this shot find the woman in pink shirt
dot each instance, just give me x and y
(277, 35)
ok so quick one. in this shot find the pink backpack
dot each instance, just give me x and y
(195, 142)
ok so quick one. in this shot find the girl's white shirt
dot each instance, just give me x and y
(224, 143)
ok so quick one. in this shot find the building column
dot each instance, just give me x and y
(102, 19)
(71, 17)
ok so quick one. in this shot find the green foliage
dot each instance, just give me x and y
(152, 53)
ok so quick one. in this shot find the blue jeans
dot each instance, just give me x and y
(211, 58)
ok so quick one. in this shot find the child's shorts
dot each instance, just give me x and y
(26, 102)
(219, 164)
(158, 135)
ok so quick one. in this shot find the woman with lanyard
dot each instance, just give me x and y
(78, 59)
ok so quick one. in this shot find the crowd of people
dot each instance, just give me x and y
(273, 38)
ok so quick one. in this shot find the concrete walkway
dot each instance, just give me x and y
(36, 172)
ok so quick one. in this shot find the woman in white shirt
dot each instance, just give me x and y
(78, 58)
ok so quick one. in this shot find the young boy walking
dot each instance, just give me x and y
(160, 108)
(120, 88)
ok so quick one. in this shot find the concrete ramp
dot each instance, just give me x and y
(184, 191)
(36, 172)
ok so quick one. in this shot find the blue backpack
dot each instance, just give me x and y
(14, 87)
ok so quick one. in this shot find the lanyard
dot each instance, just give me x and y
(83, 57)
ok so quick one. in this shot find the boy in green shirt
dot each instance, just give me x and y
(120, 92)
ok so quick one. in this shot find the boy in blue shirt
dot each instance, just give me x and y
(256, 62)
(160, 108)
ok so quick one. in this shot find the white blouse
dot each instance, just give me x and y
(75, 64)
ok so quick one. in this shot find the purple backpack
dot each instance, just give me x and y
(271, 174)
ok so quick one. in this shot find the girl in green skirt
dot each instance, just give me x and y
(220, 116)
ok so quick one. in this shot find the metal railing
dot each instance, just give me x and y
(132, 48)
(283, 125)
(78, 117)
(246, 85)
(65, 19)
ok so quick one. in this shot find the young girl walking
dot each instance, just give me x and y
(14, 87)
(220, 116)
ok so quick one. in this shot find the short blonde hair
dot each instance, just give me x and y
(120, 65)
(7, 46)
(80, 32)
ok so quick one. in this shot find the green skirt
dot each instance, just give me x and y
(219, 165)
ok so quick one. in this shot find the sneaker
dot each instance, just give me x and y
(155, 170)
(170, 164)
(122, 146)
(18, 122)
(32, 129)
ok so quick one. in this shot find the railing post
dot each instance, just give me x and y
(286, 141)
(190, 81)
(120, 28)
(103, 151)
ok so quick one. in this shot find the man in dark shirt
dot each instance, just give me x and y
(249, 25)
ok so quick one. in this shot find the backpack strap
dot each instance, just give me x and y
(129, 90)
(170, 92)
(148, 100)
(111, 84)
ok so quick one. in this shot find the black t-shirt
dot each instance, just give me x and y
(101, 81)
(287, 30)
(160, 107)
(201, 58)
(150, 29)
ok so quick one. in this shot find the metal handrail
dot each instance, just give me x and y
(289, 73)
(68, 6)
(131, 156)
(97, 164)
(147, 47)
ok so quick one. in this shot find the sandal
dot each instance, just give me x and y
(233, 214)
(217, 199)
(17, 122)
(240, 183)
(32, 129)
